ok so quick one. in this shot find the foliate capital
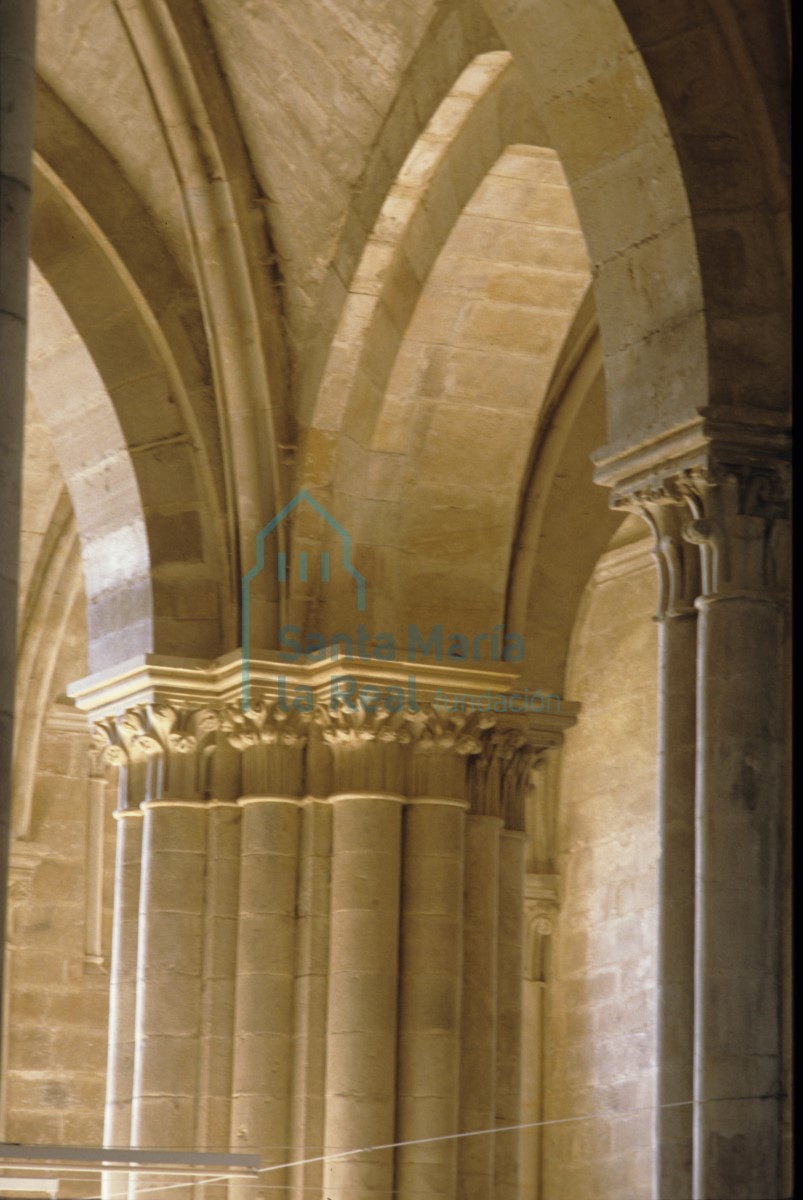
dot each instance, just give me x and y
(740, 521)
(540, 915)
(733, 508)
(501, 776)
(159, 751)
(178, 732)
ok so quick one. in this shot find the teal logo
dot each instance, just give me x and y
(438, 643)
(282, 572)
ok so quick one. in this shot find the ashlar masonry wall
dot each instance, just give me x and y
(57, 982)
(600, 1045)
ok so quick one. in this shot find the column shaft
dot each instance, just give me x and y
(122, 990)
(169, 978)
(430, 996)
(363, 984)
(677, 653)
(93, 919)
(221, 906)
(312, 974)
(479, 1007)
(260, 1109)
(532, 1098)
(740, 835)
(509, 982)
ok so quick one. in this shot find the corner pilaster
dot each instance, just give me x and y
(719, 488)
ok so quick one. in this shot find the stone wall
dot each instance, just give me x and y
(57, 997)
(600, 1041)
(58, 1008)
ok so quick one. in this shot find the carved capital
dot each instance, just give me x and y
(159, 751)
(677, 563)
(261, 752)
(740, 522)
(419, 751)
(501, 776)
(540, 913)
(268, 724)
(178, 731)
(441, 749)
(131, 756)
(729, 469)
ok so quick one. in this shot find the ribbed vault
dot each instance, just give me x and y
(353, 256)
(462, 300)
(421, 259)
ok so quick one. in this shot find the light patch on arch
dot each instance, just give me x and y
(99, 475)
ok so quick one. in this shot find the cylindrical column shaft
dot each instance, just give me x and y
(479, 1009)
(260, 1108)
(221, 907)
(677, 664)
(740, 789)
(532, 1097)
(363, 985)
(169, 977)
(430, 996)
(122, 989)
(312, 974)
(509, 981)
(93, 919)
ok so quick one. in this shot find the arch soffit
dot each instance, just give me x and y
(592, 89)
(145, 415)
(564, 522)
(485, 111)
(721, 72)
(456, 35)
(230, 247)
(468, 387)
(55, 584)
(89, 444)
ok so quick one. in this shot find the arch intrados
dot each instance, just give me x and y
(477, 119)
(89, 444)
(593, 91)
(155, 424)
(557, 542)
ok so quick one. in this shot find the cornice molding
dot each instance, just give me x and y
(732, 436)
(153, 679)
(66, 718)
(173, 730)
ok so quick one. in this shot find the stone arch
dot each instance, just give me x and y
(475, 121)
(612, 86)
(484, 112)
(468, 387)
(149, 433)
(730, 126)
(564, 523)
(594, 94)
(55, 585)
(229, 244)
(457, 33)
(97, 469)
